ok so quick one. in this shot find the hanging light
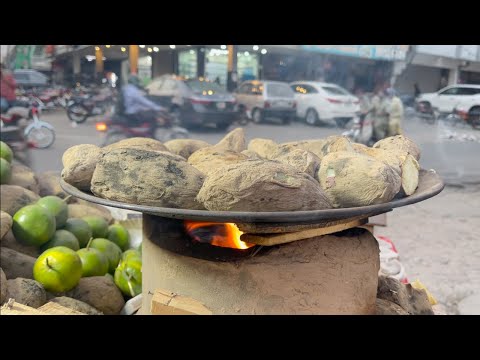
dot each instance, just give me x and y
(149, 50)
(97, 48)
(223, 47)
(264, 51)
(172, 46)
(123, 49)
(142, 46)
(156, 49)
(107, 46)
(255, 47)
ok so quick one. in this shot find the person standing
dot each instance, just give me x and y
(417, 91)
(8, 86)
(395, 113)
(379, 115)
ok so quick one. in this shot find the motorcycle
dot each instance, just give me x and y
(118, 128)
(361, 131)
(39, 134)
(80, 108)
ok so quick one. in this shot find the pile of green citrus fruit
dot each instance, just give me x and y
(6, 157)
(72, 248)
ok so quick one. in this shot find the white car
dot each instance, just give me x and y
(445, 100)
(259, 100)
(324, 102)
(468, 108)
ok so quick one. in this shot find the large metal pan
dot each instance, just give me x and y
(430, 184)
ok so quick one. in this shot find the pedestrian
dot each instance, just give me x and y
(379, 115)
(417, 91)
(395, 113)
(8, 86)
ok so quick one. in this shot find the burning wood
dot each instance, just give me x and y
(217, 234)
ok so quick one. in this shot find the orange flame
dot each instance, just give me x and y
(230, 238)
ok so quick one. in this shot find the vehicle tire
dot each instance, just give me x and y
(41, 137)
(451, 120)
(175, 115)
(223, 126)
(311, 117)
(77, 113)
(474, 117)
(341, 122)
(242, 118)
(112, 137)
(431, 118)
(257, 116)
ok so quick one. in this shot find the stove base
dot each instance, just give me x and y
(331, 274)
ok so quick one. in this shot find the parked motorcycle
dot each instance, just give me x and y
(80, 108)
(39, 133)
(119, 128)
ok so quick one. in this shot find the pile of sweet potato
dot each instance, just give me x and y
(235, 176)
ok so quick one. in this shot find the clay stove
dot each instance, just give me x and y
(325, 274)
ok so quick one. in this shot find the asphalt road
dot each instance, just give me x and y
(445, 149)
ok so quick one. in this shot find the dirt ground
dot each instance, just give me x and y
(439, 243)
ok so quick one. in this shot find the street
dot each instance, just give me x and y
(437, 239)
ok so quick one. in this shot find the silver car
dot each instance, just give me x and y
(260, 100)
(30, 78)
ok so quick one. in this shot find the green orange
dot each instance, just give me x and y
(111, 251)
(58, 207)
(80, 229)
(33, 225)
(119, 235)
(5, 171)
(58, 269)
(62, 238)
(98, 225)
(131, 253)
(128, 277)
(6, 152)
(94, 263)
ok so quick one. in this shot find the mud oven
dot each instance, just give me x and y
(254, 268)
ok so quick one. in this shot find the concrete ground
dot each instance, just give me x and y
(437, 239)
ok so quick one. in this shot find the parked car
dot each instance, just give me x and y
(468, 108)
(259, 100)
(324, 102)
(30, 78)
(445, 100)
(195, 101)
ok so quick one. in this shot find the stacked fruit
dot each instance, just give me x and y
(72, 241)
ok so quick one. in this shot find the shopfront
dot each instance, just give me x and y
(216, 64)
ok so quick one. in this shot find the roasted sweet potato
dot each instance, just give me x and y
(261, 185)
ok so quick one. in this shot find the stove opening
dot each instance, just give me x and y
(225, 235)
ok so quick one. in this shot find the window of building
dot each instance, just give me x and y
(187, 63)
(216, 63)
(247, 66)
